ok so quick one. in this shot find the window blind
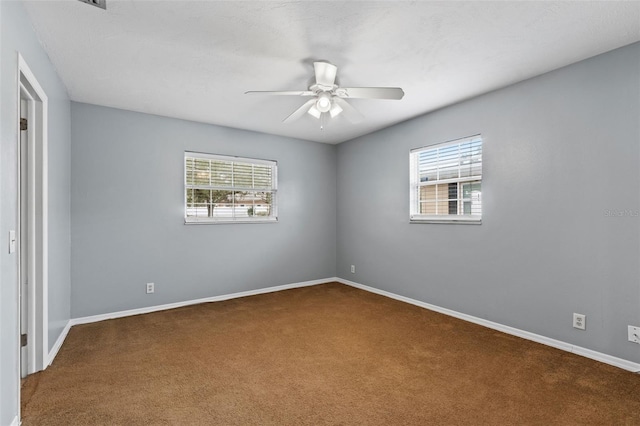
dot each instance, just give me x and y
(229, 189)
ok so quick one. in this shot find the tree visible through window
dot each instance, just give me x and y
(446, 181)
(229, 189)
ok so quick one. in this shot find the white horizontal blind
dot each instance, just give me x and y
(229, 189)
(446, 181)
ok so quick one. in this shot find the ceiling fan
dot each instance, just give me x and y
(329, 98)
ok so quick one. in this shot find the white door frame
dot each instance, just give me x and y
(27, 86)
(25, 222)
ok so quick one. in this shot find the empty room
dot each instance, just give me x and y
(319, 212)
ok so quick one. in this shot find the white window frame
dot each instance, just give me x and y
(232, 159)
(416, 184)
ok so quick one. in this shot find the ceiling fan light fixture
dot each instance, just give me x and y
(314, 111)
(335, 110)
(328, 98)
(324, 102)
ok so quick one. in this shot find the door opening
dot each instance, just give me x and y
(32, 222)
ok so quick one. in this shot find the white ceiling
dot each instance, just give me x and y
(195, 59)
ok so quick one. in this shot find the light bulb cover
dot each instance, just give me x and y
(335, 110)
(314, 111)
(324, 102)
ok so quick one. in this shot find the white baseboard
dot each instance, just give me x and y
(138, 311)
(54, 351)
(15, 422)
(588, 353)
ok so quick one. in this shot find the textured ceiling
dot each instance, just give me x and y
(195, 59)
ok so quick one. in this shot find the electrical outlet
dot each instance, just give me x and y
(634, 334)
(580, 321)
(353, 269)
(150, 288)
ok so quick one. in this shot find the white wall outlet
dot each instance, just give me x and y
(634, 334)
(353, 269)
(151, 287)
(580, 321)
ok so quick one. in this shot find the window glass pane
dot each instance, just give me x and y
(449, 172)
(258, 203)
(476, 167)
(442, 198)
(198, 203)
(469, 188)
(188, 167)
(428, 165)
(242, 175)
(201, 172)
(220, 173)
(264, 203)
(428, 193)
(251, 205)
(240, 197)
(221, 197)
(427, 208)
(435, 198)
(434, 208)
(453, 198)
(262, 176)
(198, 210)
(471, 168)
(472, 197)
(243, 201)
(448, 156)
(202, 195)
(222, 203)
(203, 202)
(191, 207)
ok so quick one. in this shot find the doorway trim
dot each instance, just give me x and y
(38, 255)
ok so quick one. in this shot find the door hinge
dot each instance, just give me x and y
(23, 340)
(23, 124)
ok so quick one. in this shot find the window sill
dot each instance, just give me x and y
(466, 221)
(447, 222)
(189, 221)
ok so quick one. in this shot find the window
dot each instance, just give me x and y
(446, 182)
(222, 189)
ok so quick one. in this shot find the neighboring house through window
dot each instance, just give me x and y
(223, 189)
(446, 182)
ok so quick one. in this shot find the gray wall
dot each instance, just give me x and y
(127, 213)
(559, 150)
(16, 34)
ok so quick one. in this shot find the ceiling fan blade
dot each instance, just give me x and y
(350, 113)
(286, 93)
(370, 92)
(325, 73)
(300, 111)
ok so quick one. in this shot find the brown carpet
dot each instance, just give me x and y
(328, 354)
